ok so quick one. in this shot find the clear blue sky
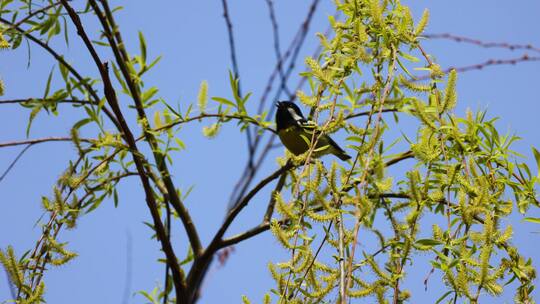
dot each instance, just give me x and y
(193, 41)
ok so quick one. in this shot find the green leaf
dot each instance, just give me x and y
(66, 36)
(115, 198)
(537, 158)
(444, 296)
(180, 143)
(242, 105)
(151, 65)
(63, 71)
(409, 57)
(81, 123)
(176, 113)
(224, 101)
(101, 43)
(48, 85)
(404, 68)
(234, 86)
(120, 79)
(33, 115)
(148, 94)
(190, 256)
(142, 45)
(535, 220)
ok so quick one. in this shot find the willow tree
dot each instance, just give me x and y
(459, 172)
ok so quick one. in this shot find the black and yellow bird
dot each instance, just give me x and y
(296, 133)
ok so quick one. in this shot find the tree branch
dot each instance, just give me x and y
(220, 116)
(277, 48)
(121, 56)
(46, 100)
(200, 265)
(272, 202)
(137, 157)
(487, 63)
(12, 164)
(40, 140)
(478, 42)
(262, 227)
(32, 14)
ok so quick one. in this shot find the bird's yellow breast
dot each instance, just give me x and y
(292, 139)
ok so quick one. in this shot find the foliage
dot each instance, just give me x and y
(460, 170)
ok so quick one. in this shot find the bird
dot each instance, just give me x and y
(295, 132)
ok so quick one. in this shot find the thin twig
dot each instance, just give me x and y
(232, 46)
(386, 92)
(41, 140)
(46, 100)
(244, 201)
(236, 72)
(201, 265)
(426, 56)
(247, 176)
(60, 59)
(277, 48)
(488, 63)
(272, 203)
(12, 164)
(478, 42)
(295, 191)
(34, 13)
(243, 118)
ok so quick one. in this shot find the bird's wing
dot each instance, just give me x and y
(334, 144)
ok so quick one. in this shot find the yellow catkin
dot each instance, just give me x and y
(421, 26)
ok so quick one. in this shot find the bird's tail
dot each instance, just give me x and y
(342, 155)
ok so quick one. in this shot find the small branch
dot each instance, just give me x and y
(262, 227)
(244, 201)
(232, 47)
(362, 181)
(116, 178)
(236, 71)
(430, 63)
(367, 113)
(272, 202)
(200, 265)
(480, 43)
(342, 275)
(32, 14)
(40, 140)
(488, 63)
(294, 50)
(247, 176)
(277, 48)
(12, 164)
(45, 100)
(220, 116)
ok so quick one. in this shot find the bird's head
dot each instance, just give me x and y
(288, 114)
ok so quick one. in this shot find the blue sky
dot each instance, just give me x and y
(193, 41)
